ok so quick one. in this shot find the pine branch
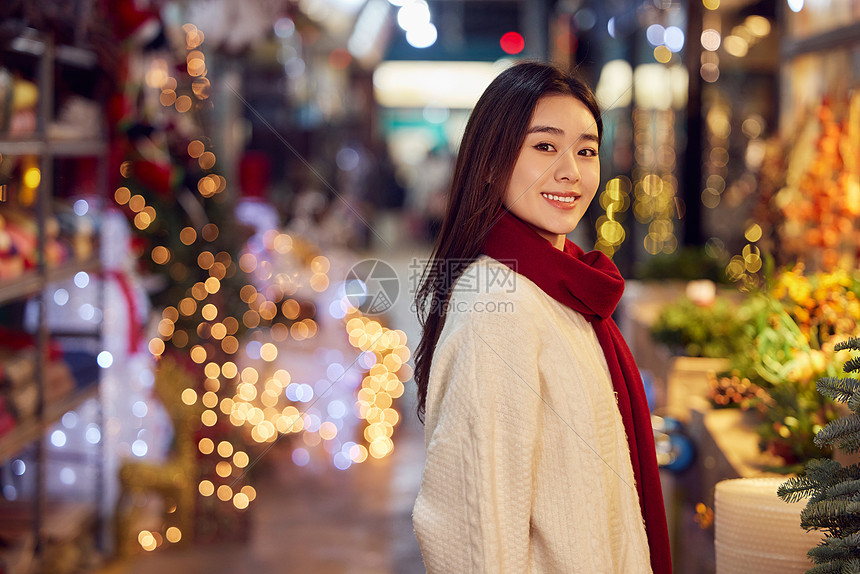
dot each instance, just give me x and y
(843, 490)
(835, 515)
(835, 474)
(833, 567)
(851, 567)
(837, 388)
(845, 431)
(852, 365)
(797, 488)
(853, 344)
(836, 549)
(854, 403)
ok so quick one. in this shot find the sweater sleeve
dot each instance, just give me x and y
(483, 426)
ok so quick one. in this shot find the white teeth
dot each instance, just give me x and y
(570, 199)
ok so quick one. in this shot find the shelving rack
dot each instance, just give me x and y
(35, 283)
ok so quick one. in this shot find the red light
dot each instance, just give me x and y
(339, 59)
(512, 43)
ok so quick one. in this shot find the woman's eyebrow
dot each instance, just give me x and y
(560, 132)
(545, 129)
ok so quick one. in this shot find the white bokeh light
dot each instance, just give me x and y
(673, 37)
(68, 476)
(93, 434)
(61, 297)
(82, 279)
(422, 37)
(104, 359)
(58, 438)
(655, 33)
(413, 15)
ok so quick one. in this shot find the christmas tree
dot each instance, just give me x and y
(834, 490)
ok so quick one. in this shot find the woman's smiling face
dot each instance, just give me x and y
(557, 170)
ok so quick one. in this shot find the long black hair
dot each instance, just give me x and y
(488, 152)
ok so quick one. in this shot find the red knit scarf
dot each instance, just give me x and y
(591, 284)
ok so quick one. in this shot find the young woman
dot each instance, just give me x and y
(540, 453)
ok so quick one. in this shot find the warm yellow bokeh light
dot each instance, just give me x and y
(209, 418)
(662, 54)
(210, 399)
(753, 233)
(240, 459)
(160, 254)
(219, 331)
(248, 263)
(188, 235)
(187, 306)
(173, 534)
(198, 354)
(183, 104)
(189, 396)
(147, 540)
(230, 344)
(122, 195)
(268, 352)
(136, 203)
(167, 97)
(225, 448)
(210, 230)
(196, 149)
(240, 501)
(328, 430)
(209, 312)
(207, 159)
(212, 370)
(229, 369)
(205, 260)
(223, 469)
(206, 446)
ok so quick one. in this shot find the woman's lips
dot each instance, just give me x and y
(568, 200)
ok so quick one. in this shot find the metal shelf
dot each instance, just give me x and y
(29, 431)
(30, 43)
(23, 146)
(56, 148)
(33, 281)
(844, 36)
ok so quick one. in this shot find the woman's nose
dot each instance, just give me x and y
(566, 167)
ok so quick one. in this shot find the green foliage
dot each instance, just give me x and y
(688, 263)
(833, 490)
(712, 331)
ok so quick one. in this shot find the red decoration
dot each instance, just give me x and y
(158, 177)
(254, 174)
(129, 20)
(512, 43)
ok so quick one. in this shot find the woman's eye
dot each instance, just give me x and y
(544, 147)
(588, 152)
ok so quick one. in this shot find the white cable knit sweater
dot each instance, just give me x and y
(527, 466)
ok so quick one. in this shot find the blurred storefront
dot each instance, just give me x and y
(190, 191)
